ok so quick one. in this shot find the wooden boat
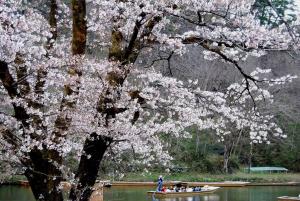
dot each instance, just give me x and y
(204, 190)
(287, 198)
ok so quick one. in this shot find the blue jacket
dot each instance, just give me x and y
(159, 184)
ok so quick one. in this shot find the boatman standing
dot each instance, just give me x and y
(159, 184)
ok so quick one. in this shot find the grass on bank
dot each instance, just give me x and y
(192, 177)
(200, 177)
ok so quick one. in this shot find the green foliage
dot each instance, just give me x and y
(200, 153)
(284, 153)
(273, 13)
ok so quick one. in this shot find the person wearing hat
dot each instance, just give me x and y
(160, 184)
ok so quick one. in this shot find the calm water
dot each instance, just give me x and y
(16, 193)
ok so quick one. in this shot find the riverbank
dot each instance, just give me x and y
(278, 179)
(173, 183)
(258, 178)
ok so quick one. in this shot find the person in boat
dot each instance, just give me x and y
(197, 188)
(182, 189)
(172, 189)
(176, 189)
(189, 189)
(159, 184)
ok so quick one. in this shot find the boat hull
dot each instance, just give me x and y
(287, 198)
(182, 194)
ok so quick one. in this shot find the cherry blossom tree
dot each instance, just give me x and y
(70, 82)
(256, 121)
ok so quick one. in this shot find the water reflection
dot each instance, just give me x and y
(15, 193)
(259, 193)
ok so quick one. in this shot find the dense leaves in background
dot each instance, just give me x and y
(281, 153)
(202, 154)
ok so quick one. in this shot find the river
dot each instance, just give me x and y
(259, 193)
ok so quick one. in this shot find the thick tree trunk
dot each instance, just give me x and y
(44, 177)
(43, 187)
(93, 151)
(79, 27)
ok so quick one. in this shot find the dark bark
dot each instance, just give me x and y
(53, 23)
(23, 85)
(12, 89)
(43, 176)
(96, 145)
(115, 50)
(93, 151)
(79, 27)
(40, 169)
(7, 80)
(131, 52)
